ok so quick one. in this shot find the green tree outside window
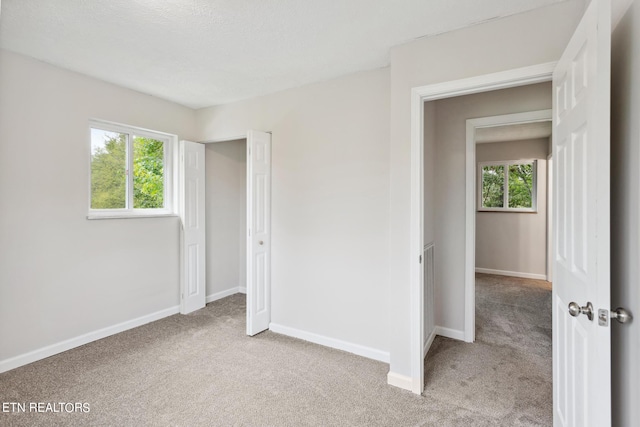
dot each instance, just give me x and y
(109, 171)
(518, 178)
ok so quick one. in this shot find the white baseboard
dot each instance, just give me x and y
(428, 342)
(454, 334)
(404, 382)
(512, 273)
(50, 350)
(226, 293)
(360, 350)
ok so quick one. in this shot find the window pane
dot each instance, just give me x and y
(521, 185)
(108, 169)
(148, 173)
(493, 186)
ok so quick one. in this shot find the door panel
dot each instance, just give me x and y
(581, 348)
(259, 233)
(192, 236)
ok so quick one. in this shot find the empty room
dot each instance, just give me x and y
(223, 213)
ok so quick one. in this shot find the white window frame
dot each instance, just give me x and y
(170, 176)
(506, 164)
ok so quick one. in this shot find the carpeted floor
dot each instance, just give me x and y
(505, 377)
(201, 370)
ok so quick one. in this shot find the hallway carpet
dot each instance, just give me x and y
(506, 375)
(201, 370)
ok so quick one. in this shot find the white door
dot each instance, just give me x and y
(581, 347)
(259, 232)
(192, 236)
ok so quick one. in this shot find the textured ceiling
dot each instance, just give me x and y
(518, 132)
(206, 52)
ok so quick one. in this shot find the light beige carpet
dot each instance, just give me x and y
(201, 370)
(506, 375)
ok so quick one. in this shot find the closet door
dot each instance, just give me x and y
(192, 230)
(259, 231)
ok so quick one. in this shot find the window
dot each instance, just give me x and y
(130, 171)
(507, 186)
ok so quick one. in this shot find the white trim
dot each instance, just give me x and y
(488, 82)
(550, 218)
(416, 242)
(225, 139)
(138, 213)
(404, 382)
(360, 350)
(226, 293)
(454, 334)
(511, 273)
(50, 350)
(428, 342)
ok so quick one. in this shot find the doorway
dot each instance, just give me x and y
(508, 184)
(226, 218)
(238, 211)
(507, 140)
(421, 97)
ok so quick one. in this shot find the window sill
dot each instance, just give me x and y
(530, 211)
(128, 215)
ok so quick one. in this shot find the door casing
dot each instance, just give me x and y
(419, 95)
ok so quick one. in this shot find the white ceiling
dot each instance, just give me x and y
(206, 52)
(517, 132)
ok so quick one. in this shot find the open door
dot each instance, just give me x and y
(581, 342)
(259, 232)
(192, 220)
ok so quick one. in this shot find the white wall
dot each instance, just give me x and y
(489, 47)
(515, 241)
(226, 216)
(625, 220)
(62, 275)
(330, 193)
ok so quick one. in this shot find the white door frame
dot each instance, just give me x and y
(419, 95)
(550, 217)
(470, 207)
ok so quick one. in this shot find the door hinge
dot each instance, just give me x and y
(182, 295)
(420, 259)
